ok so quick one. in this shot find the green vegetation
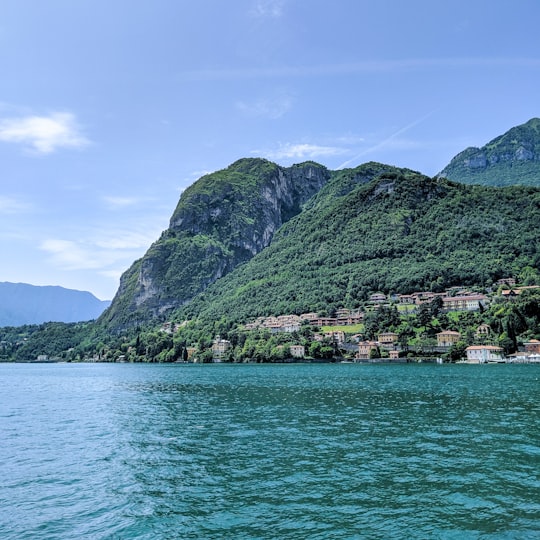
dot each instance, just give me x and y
(400, 233)
(510, 159)
(510, 322)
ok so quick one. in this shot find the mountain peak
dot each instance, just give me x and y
(511, 158)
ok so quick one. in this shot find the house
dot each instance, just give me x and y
(347, 317)
(394, 354)
(308, 316)
(388, 340)
(335, 337)
(511, 282)
(219, 348)
(377, 297)
(516, 291)
(471, 302)
(483, 331)
(532, 346)
(365, 348)
(480, 354)
(297, 351)
(447, 338)
(325, 321)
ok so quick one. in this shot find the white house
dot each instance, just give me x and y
(480, 354)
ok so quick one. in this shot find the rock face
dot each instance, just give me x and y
(221, 221)
(512, 158)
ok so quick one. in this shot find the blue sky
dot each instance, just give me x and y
(110, 108)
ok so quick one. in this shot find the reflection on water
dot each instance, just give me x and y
(270, 451)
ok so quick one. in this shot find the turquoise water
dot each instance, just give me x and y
(269, 451)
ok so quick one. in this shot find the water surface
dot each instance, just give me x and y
(269, 451)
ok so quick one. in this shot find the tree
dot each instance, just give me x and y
(457, 351)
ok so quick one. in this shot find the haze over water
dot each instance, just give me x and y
(269, 451)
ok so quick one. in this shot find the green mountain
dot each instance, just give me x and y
(378, 228)
(511, 159)
(221, 221)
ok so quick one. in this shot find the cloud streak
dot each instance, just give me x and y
(43, 134)
(267, 9)
(98, 251)
(11, 206)
(300, 151)
(272, 108)
(385, 142)
(368, 66)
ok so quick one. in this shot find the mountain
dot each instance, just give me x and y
(257, 239)
(221, 221)
(378, 228)
(21, 304)
(510, 159)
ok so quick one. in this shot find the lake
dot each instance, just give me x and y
(301, 451)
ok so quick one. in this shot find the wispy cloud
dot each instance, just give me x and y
(267, 8)
(300, 151)
(99, 250)
(386, 142)
(43, 134)
(70, 255)
(10, 205)
(368, 66)
(120, 202)
(272, 108)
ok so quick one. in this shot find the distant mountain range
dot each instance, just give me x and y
(21, 304)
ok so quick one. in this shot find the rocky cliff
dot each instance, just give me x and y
(510, 159)
(221, 221)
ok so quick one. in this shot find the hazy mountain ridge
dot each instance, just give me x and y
(510, 159)
(21, 303)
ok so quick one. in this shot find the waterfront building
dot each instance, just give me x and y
(219, 348)
(532, 346)
(388, 340)
(297, 351)
(484, 353)
(365, 348)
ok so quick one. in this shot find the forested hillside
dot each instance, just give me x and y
(257, 239)
(398, 233)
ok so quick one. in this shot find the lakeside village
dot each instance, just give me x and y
(337, 332)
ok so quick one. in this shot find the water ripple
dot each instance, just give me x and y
(294, 451)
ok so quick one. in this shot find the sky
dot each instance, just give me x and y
(109, 109)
